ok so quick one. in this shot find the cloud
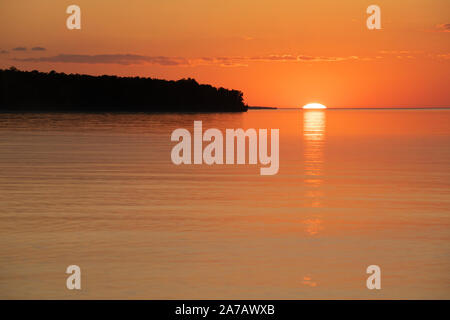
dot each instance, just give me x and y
(244, 61)
(444, 56)
(130, 59)
(38, 49)
(219, 61)
(124, 59)
(396, 52)
(302, 58)
(4, 51)
(403, 54)
(445, 27)
(19, 49)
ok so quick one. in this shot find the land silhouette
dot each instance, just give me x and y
(34, 91)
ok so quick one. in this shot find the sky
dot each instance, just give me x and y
(283, 53)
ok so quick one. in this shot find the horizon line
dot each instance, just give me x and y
(350, 108)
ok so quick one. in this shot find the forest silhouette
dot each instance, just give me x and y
(34, 91)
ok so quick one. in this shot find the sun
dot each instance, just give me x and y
(314, 106)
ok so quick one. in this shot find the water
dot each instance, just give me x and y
(355, 188)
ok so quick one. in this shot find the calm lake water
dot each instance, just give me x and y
(355, 188)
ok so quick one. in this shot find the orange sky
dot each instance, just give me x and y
(281, 53)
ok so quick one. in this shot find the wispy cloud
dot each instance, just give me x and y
(413, 54)
(445, 27)
(403, 54)
(397, 52)
(125, 59)
(130, 59)
(38, 49)
(444, 56)
(218, 61)
(303, 58)
(4, 51)
(20, 49)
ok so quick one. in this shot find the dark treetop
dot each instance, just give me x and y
(22, 91)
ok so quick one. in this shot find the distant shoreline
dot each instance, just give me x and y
(261, 108)
(34, 91)
(7, 111)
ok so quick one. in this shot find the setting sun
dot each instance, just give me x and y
(314, 106)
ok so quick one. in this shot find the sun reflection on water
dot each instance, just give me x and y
(314, 140)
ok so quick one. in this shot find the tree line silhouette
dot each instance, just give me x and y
(34, 91)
